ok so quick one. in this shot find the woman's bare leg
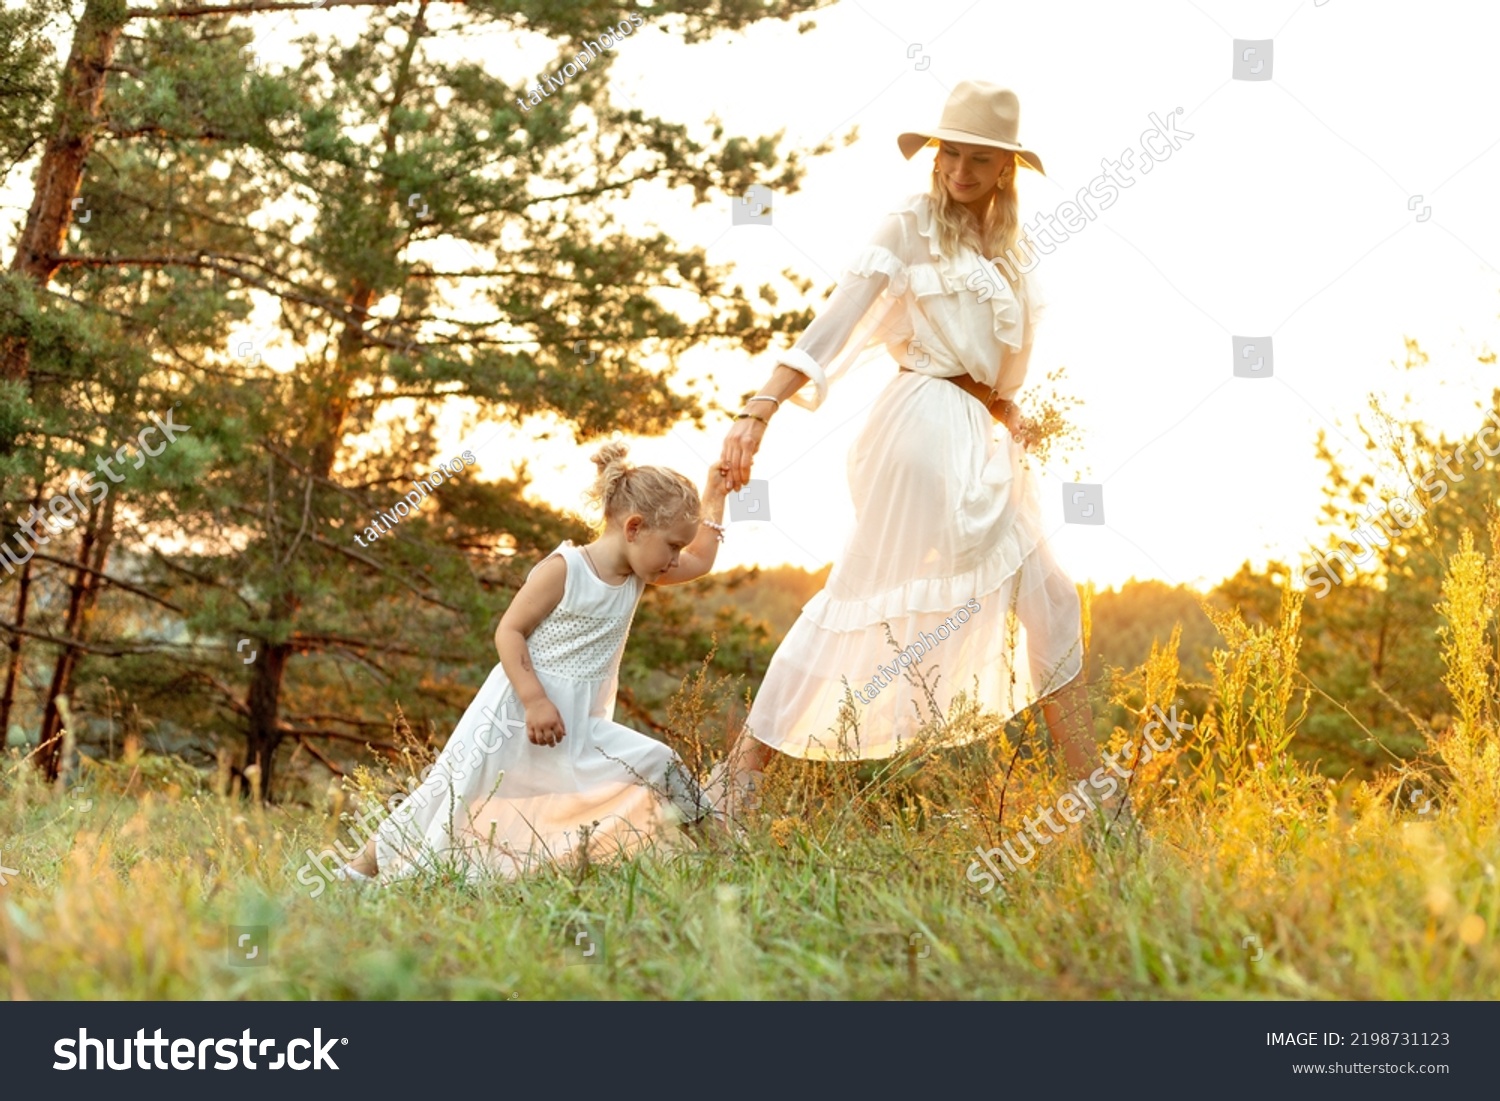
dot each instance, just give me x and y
(1071, 722)
(747, 759)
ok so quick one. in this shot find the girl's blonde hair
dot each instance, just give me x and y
(998, 235)
(662, 497)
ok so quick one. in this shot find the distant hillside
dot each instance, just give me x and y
(774, 595)
(1127, 621)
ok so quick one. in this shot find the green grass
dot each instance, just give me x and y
(850, 882)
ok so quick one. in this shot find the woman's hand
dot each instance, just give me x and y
(544, 725)
(739, 451)
(1017, 425)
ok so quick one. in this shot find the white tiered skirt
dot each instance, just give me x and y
(946, 519)
(496, 804)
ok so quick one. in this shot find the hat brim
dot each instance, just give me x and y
(911, 141)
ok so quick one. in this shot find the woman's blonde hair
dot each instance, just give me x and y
(662, 497)
(997, 237)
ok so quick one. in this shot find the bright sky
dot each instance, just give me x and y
(1290, 214)
(1338, 208)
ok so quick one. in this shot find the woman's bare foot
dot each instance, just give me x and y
(733, 780)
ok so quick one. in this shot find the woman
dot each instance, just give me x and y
(947, 541)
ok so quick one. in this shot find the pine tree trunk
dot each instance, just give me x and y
(83, 597)
(265, 733)
(76, 122)
(320, 442)
(13, 666)
(23, 602)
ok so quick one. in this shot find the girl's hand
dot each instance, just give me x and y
(715, 487)
(544, 725)
(739, 451)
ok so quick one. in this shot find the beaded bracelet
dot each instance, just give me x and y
(717, 528)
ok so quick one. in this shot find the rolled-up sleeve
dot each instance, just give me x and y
(856, 317)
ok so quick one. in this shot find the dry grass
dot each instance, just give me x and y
(1261, 878)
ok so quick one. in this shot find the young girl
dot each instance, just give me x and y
(537, 763)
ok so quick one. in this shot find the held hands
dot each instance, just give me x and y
(544, 725)
(739, 451)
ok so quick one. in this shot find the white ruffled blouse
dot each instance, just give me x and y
(938, 315)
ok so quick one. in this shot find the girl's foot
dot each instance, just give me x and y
(351, 873)
(364, 866)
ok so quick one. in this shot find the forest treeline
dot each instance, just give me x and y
(320, 257)
(250, 299)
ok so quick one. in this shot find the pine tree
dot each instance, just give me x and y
(327, 203)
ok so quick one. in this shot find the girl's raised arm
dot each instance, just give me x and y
(697, 558)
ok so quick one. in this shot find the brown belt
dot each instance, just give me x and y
(983, 394)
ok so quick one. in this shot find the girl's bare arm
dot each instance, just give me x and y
(541, 592)
(697, 558)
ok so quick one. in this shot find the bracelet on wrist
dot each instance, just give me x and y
(742, 416)
(766, 397)
(718, 529)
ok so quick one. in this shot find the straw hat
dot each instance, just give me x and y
(977, 113)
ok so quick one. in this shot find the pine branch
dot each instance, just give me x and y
(302, 640)
(213, 11)
(87, 647)
(115, 130)
(305, 744)
(114, 581)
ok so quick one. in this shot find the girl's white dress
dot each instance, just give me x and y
(947, 546)
(494, 802)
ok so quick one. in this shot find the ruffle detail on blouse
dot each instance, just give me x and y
(970, 273)
(879, 260)
(925, 594)
(926, 280)
(1004, 305)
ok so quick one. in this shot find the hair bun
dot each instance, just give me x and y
(660, 496)
(611, 454)
(610, 459)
